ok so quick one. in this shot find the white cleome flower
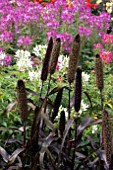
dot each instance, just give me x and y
(23, 60)
(34, 75)
(22, 53)
(2, 55)
(85, 76)
(40, 50)
(24, 64)
(64, 60)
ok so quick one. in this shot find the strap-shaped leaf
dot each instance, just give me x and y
(44, 147)
(9, 159)
(56, 89)
(14, 155)
(4, 154)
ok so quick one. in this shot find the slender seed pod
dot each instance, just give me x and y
(22, 100)
(78, 89)
(73, 58)
(111, 163)
(45, 67)
(99, 72)
(62, 123)
(54, 56)
(106, 135)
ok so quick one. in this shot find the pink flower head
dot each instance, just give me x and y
(98, 46)
(106, 56)
(59, 65)
(111, 38)
(24, 41)
(106, 38)
(6, 36)
(1, 49)
(59, 79)
(83, 31)
(7, 60)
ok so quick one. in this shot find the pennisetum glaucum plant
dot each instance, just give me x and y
(23, 108)
(99, 76)
(107, 135)
(45, 67)
(73, 58)
(51, 67)
(99, 80)
(77, 104)
(72, 65)
(53, 62)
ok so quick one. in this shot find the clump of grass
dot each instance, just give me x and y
(77, 103)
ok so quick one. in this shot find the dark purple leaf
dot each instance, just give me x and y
(56, 89)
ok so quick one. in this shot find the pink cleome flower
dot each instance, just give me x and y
(111, 38)
(59, 65)
(7, 60)
(24, 40)
(107, 38)
(98, 46)
(106, 56)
